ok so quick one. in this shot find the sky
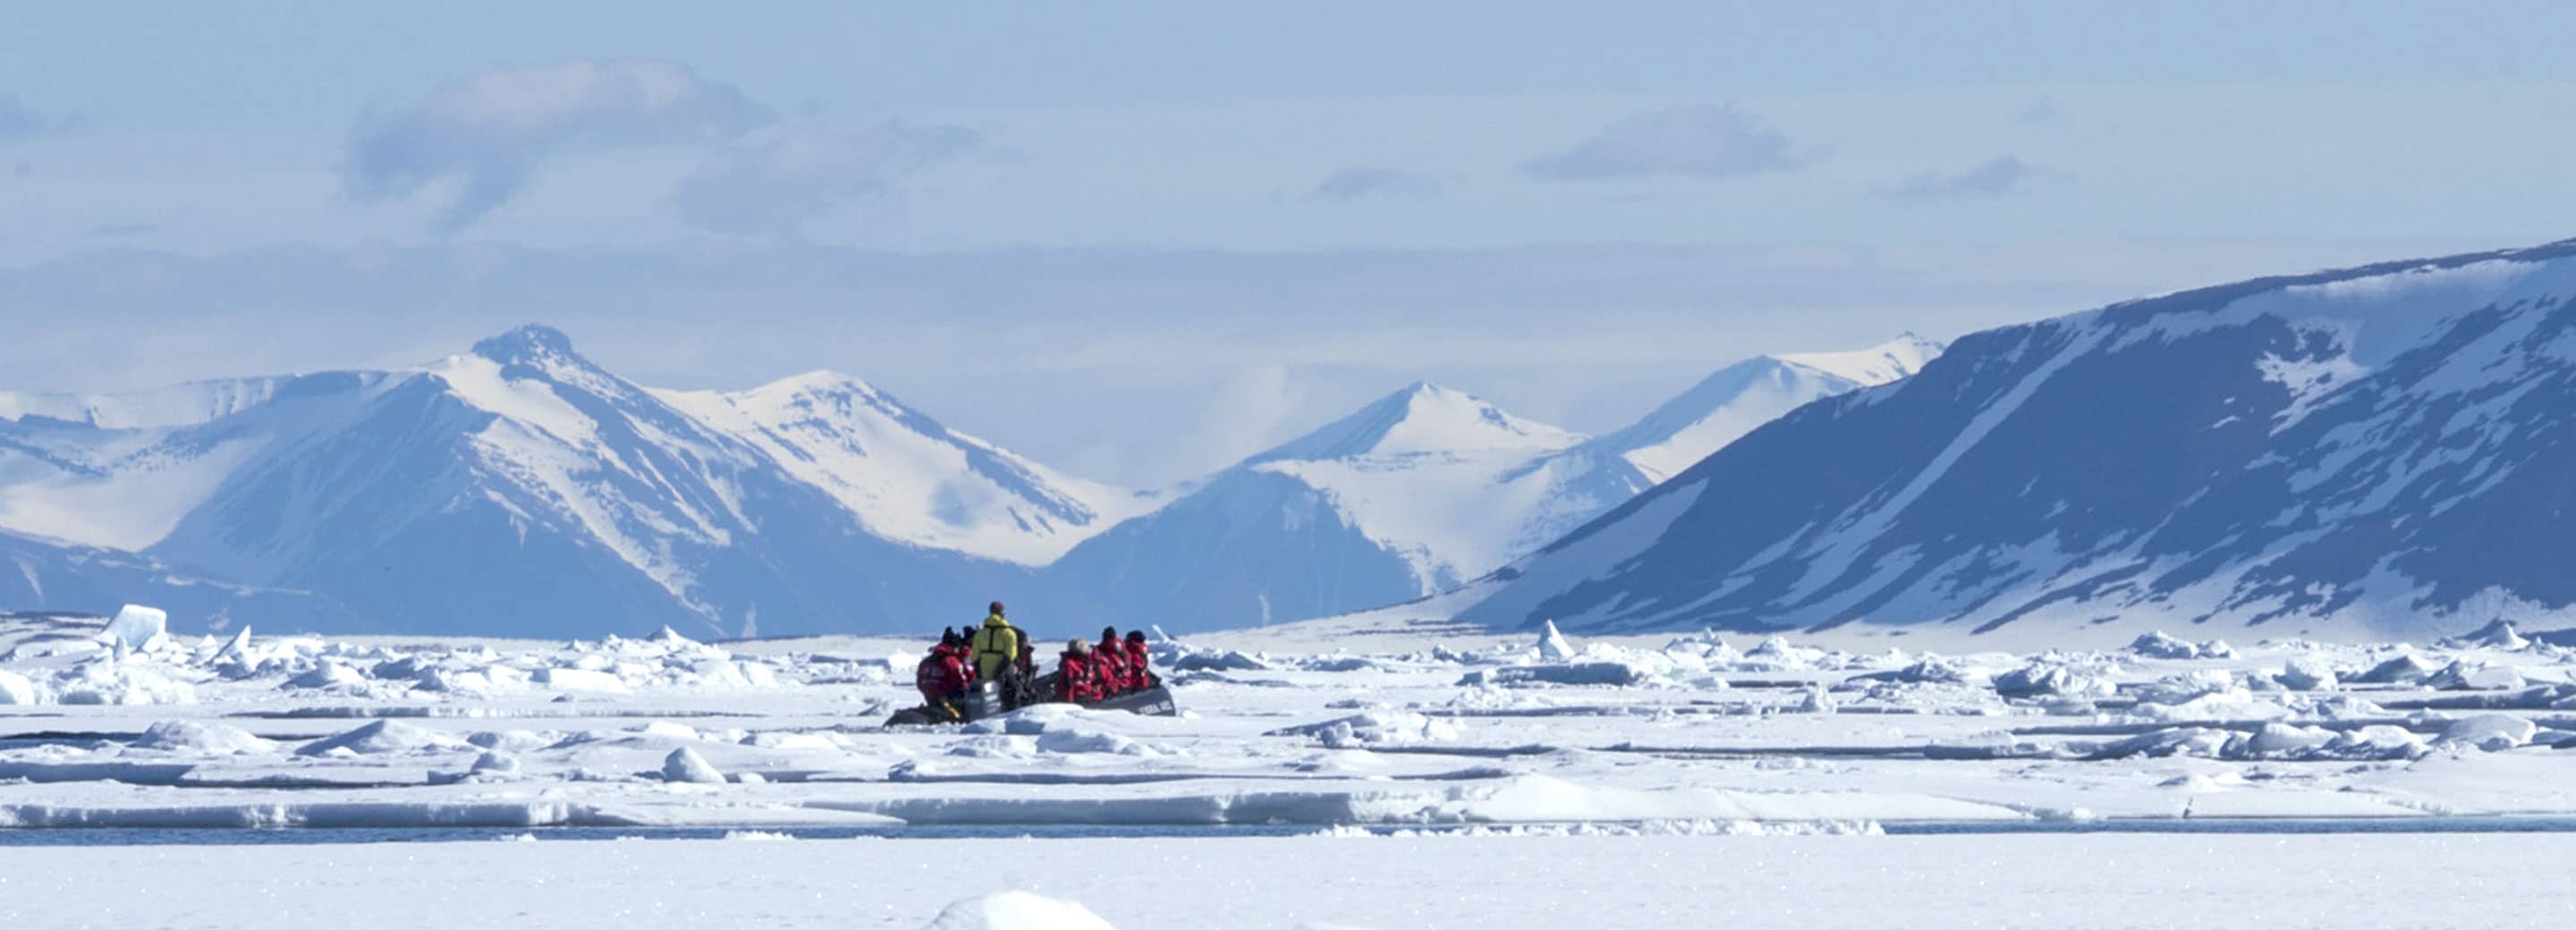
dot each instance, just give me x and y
(1140, 241)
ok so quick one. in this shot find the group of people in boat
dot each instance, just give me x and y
(1000, 652)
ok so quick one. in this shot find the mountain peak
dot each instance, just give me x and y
(527, 343)
(1886, 362)
(819, 381)
(1742, 397)
(1422, 417)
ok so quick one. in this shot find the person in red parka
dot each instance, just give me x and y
(1139, 661)
(1116, 674)
(945, 674)
(1077, 674)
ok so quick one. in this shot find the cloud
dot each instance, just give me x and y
(2042, 109)
(490, 132)
(20, 122)
(1251, 411)
(1350, 184)
(1993, 178)
(804, 171)
(1118, 357)
(23, 168)
(1693, 140)
(122, 230)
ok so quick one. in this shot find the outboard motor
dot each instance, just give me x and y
(983, 699)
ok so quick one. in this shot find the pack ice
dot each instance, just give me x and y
(1279, 727)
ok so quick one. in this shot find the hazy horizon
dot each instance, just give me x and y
(1197, 231)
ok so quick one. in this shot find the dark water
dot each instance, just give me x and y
(288, 836)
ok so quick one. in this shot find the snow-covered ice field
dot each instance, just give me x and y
(1394, 781)
(2383, 882)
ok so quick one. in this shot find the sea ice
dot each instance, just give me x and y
(2490, 732)
(136, 626)
(1063, 740)
(2307, 674)
(685, 765)
(16, 689)
(201, 737)
(2050, 679)
(1016, 910)
(2158, 645)
(1553, 646)
(2403, 668)
(2461, 675)
(382, 737)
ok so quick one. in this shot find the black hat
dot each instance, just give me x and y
(1135, 636)
(1108, 633)
(996, 608)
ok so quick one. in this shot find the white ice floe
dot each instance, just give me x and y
(2490, 732)
(2157, 645)
(2463, 675)
(109, 679)
(202, 737)
(1016, 910)
(2307, 674)
(17, 689)
(1553, 646)
(1354, 730)
(1375, 728)
(2403, 668)
(1068, 740)
(2497, 635)
(136, 626)
(383, 737)
(2052, 679)
(685, 765)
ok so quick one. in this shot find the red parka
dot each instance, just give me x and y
(1117, 669)
(1140, 660)
(1077, 677)
(942, 673)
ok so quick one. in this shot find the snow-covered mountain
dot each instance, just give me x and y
(2386, 451)
(1422, 490)
(52, 574)
(908, 478)
(520, 489)
(121, 470)
(1739, 397)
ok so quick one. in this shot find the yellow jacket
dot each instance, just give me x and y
(997, 646)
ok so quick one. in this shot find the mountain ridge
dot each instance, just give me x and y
(518, 488)
(2316, 466)
(1362, 512)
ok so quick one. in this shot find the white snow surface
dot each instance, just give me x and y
(1760, 773)
(1545, 881)
(1432, 728)
(1016, 910)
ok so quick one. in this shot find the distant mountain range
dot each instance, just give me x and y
(521, 490)
(1423, 490)
(2383, 452)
